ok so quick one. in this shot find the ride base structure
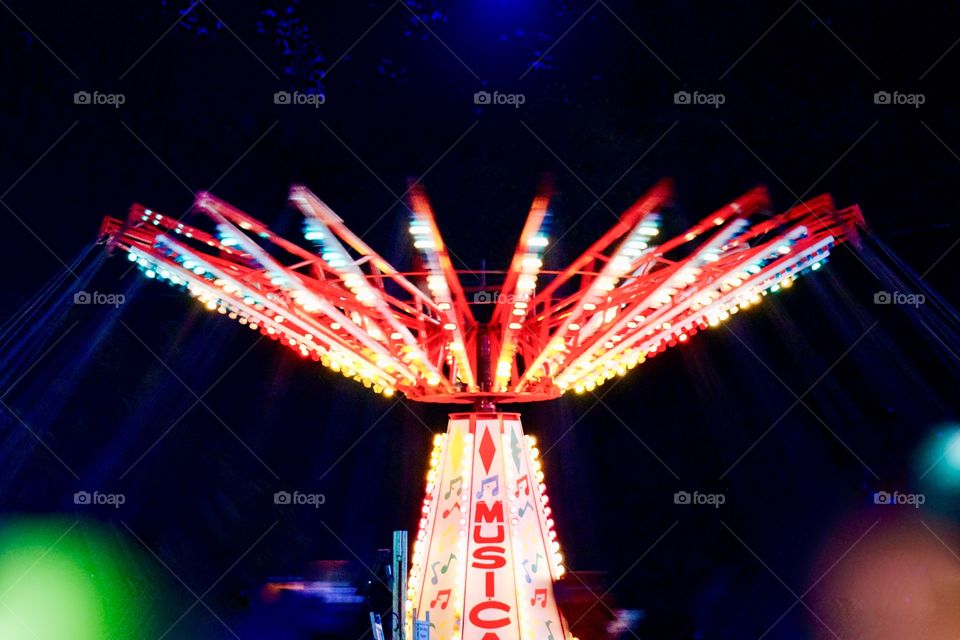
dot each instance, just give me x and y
(486, 556)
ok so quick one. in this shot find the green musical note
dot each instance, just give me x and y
(443, 569)
(536, 561)
(515, 449)
(455, 481)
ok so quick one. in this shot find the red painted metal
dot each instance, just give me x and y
(628, 297)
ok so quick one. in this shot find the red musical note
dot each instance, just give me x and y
(525, 483)
(539, 595)
(443, 597)
(455, 507)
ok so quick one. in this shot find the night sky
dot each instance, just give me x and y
(797, 411)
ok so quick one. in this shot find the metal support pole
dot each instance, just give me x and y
(398, 584)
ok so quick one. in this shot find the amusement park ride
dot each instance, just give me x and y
(486, 555)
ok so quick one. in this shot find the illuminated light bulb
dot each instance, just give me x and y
(787, 283)
(815, 266)
(589, 306)
(621, 263)
(516, 326)
(531, 262)
(783, 249)
(573, 326)
(450, 326)
(718, 221)
(538, 241)
(519, 312)
(606, 283)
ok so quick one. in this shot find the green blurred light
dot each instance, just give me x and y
(63, 583)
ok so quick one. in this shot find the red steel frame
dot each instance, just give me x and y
(625, 299)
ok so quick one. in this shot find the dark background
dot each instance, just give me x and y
(599, 114)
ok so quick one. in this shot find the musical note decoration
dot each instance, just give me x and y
(539, 595)
(454, 481)
(523, 481)
(443, 597)
(454, 507)
(525, 508)
(492, 480)
(443, 569)
(536, 561)
(533, 567)
(515, 449)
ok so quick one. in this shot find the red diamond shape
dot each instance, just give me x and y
(487, 450)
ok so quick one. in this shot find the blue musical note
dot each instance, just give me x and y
(495, 481)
